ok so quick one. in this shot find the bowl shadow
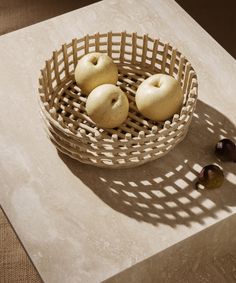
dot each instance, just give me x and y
(163, 191)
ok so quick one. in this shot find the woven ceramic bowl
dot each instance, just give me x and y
(139, 139)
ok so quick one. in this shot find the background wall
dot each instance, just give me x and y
(15, 14)
(217, 17)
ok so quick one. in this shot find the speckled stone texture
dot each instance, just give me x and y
(84, 224)
(208, 256)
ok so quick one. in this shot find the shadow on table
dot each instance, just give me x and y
(163, 191)
(207, 256)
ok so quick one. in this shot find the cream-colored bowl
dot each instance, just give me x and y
(138, 139)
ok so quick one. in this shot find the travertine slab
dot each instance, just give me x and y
(84, 224)
(208, 256)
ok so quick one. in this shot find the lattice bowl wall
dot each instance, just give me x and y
(139, 139)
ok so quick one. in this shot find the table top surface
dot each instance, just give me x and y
(80, 223)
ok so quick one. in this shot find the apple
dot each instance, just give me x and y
(108, 106)
(94, 69)
(159, 97)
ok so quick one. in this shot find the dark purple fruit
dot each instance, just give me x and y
(225, 150)
(210, 177)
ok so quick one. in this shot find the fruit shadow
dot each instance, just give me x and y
(163, 191)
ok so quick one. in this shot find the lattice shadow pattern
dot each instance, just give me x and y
(162, 191)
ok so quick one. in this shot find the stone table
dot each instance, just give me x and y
(85, 224)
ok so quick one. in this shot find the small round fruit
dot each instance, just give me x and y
(159, 97)
(211, 177)
(225, 150)
(95, 69)
(108, 106)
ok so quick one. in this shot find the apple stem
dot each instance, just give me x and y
(94, 61)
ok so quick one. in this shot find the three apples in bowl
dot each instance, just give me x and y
(158, 97)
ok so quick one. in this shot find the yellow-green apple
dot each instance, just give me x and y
(108, 106)
(94, 69)
(159, 97)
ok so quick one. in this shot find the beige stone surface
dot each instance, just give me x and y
(208, 256)
(85, 224)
